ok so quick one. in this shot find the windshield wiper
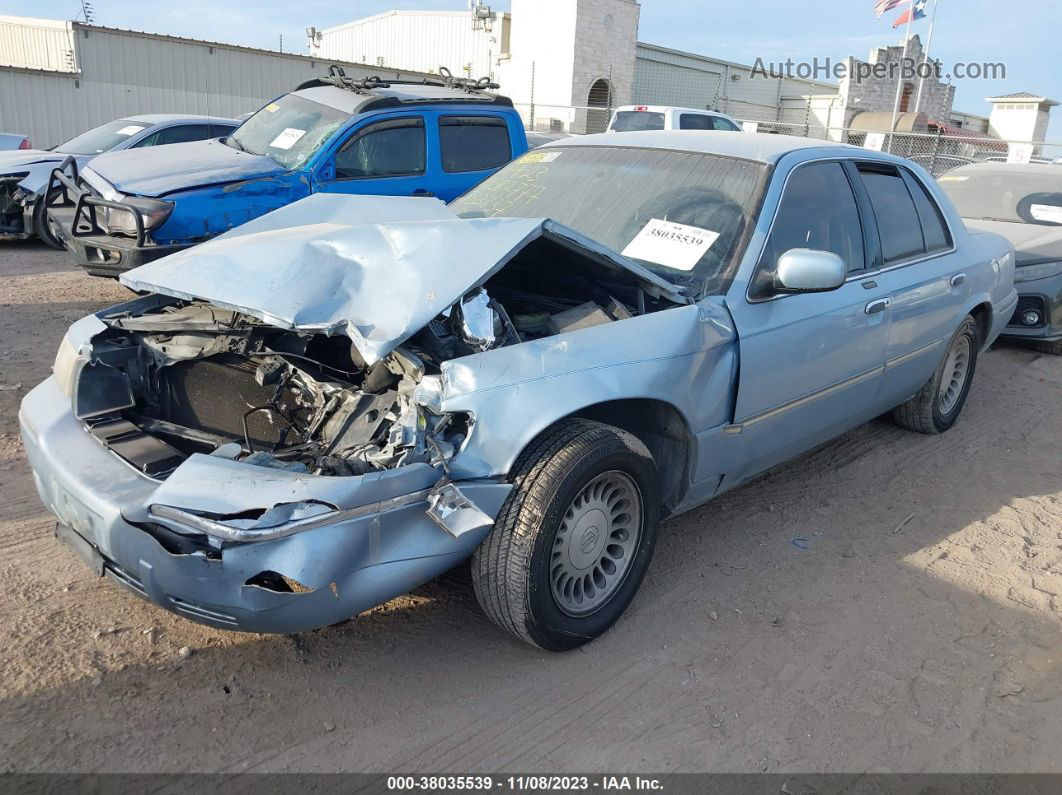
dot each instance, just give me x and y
(235, 144)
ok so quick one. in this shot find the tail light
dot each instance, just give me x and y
(25, 144)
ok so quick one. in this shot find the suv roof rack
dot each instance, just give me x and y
(337, 77)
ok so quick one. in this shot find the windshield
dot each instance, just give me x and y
(289, 130)
(102, 139)
(681, 215)
(631, 120)
(1003, 195)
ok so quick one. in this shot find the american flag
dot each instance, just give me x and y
(882, 6)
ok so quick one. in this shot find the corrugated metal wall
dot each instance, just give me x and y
(668, 77)
(422, 41)
(31, 43)
(124, 73)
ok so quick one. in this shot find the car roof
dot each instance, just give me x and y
(762, 147)
(665, 108)
(396, 95)
(166, 118)
(1010, 168)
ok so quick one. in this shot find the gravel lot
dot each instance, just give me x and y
(889, 602)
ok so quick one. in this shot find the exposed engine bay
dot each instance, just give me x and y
(184, 376)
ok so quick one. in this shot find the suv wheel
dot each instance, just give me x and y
(571, 544)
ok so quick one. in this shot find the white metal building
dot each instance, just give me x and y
(58, 79)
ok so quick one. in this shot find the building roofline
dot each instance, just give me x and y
(394, 12)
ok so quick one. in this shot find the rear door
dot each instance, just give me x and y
(921, 271)
(811, 364)
(471, 147)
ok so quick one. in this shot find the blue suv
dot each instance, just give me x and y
(334, 134)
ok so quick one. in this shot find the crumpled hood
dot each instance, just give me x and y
(158, 170)
(18, 159)
(1033, 243)
(377, 269)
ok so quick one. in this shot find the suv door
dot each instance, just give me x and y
(921, 272)
(471, 148)
(383, 157)
(811, 363)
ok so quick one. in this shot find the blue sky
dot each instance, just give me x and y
(1023, 34)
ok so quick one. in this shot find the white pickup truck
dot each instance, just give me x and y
(630, 118)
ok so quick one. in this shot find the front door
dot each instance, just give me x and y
(811, 364)
(386, 157)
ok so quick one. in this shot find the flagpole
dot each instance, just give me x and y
(899, 78)
(929, 43)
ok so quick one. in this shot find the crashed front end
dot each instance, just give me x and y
(260, 443)
(16, 207)
(247, 477)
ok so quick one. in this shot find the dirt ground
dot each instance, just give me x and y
(889, 602)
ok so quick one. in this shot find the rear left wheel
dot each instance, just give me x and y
(572, 543)
(938, 404)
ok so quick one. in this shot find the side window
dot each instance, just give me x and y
(473, 143)
(147, 140)
(898, 223)
(696, 121)
(725, 124)
(221, 130)
(391, 148)
(181, 133)
(817, 211)
(934, 230)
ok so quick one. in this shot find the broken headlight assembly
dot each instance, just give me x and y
(154, 213)
(67, 365)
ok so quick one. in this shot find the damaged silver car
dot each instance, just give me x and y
(338, 401)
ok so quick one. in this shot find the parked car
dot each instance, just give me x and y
(24, 173)
(338, 401)
(14, 141)
(635, 118)
(537, 139)
(333, 134)
(1022, 202)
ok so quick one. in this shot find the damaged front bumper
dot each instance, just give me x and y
(214, 541)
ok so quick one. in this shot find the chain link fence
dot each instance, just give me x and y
(937, 152)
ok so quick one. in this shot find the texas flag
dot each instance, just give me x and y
(912, 14)
(881, 6)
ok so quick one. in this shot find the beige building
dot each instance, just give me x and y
(1020, 117)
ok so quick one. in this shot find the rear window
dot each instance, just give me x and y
(898, 223)
(633, 120)
(473, 143)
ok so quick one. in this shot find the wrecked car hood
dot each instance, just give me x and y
(156, 171)
(376, 269)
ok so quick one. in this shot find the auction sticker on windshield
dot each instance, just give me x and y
(287, 139)
(540, 157)
(676, 246)
(131, 129)
(1048, 213)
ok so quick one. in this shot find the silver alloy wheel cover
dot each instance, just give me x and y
(956, 371)
(596, 543)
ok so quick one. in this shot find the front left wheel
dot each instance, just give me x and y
(571, 544)
(42, 226)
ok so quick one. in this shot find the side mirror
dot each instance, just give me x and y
(804, 270)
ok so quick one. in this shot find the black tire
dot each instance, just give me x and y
(40, 226)
(511, 569)
(924, 412)
(1054, 347)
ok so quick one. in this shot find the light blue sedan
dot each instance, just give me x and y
(335, 402)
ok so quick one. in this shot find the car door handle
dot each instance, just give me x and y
(878, 306)
(422, 192)
(958, 279)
